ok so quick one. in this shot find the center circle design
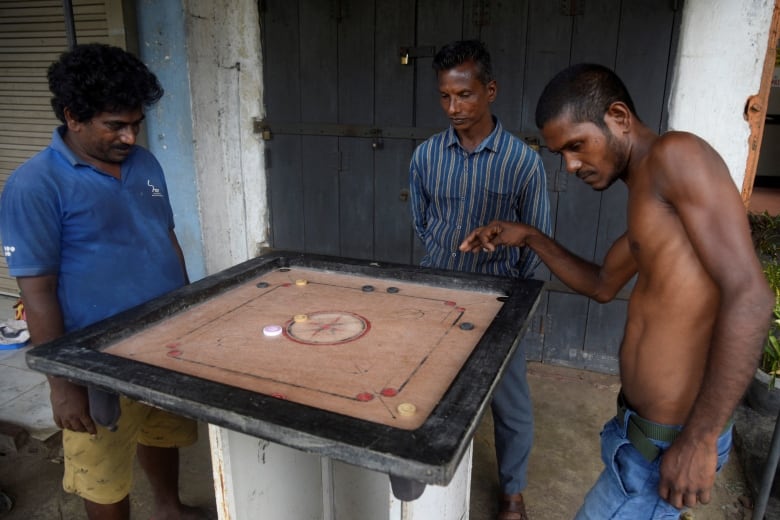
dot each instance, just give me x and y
(327, 328)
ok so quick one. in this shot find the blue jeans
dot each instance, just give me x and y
(627, 489)
(513, 425)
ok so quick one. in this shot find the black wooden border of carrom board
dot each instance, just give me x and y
(430, 454)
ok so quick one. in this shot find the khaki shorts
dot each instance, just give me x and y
(99, 468)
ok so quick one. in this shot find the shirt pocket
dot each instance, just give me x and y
(493, 205)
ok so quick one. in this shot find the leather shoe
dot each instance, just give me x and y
(512, 507)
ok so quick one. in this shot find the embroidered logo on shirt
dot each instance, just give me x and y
(8, 251)
(155, 190)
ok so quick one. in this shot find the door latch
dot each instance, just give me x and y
(408, 53)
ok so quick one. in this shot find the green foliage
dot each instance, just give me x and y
(770, 360)
(765, 231)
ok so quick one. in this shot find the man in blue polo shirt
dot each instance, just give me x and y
(87, 230)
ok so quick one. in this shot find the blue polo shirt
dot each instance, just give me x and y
(106, 239)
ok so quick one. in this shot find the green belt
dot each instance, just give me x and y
(640, 431)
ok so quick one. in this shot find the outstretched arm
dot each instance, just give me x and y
(600, 282)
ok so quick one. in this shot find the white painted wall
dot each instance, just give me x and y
(720, 59)
(223, 46)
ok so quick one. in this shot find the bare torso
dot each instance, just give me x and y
(671, 312)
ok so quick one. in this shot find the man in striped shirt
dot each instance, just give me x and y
(462, 178)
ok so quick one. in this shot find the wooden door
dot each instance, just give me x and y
(344, 113)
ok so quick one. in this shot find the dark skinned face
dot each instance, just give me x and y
(465, 99)
(596, 156)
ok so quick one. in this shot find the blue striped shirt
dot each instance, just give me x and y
(454, 191)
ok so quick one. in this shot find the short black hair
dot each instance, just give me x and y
(96, 77)
(584, 92)
(458, 52)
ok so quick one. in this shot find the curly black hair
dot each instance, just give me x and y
(95, 77)
(459, 52)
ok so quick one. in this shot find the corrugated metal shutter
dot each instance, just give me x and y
(32, 35)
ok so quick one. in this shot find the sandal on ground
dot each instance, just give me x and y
(512, 507)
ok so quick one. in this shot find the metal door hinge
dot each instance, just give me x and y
(260, 127)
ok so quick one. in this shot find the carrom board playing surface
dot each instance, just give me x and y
(330, 384)
(379, 350)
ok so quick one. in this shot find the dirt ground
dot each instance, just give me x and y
(570, 407)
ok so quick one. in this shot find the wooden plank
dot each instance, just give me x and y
(604, 333)
(643, 55)
(393, 92)
(393, 233)
(532, 342)
(285, 192)
(504, 32)
(319, 100)
(564, 333)
(549, 39)
(595, 33)
(438, 22)
(320, 166)
(356, 106)
(355, 41)
(356, 198)
(281, 57)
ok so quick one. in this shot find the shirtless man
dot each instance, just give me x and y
(698, 314)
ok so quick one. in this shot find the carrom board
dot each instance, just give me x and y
(375, 339)
(380, 350)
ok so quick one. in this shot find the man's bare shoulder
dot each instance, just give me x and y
(685, 156)
(674, 144)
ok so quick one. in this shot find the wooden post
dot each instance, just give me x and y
(756, 107)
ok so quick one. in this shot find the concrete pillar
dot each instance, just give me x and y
(719, 62)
